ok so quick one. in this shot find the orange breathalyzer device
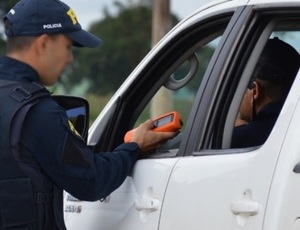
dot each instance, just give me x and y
(169, 122)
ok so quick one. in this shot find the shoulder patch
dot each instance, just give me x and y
(73, 128)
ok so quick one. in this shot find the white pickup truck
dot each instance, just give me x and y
(197, 181)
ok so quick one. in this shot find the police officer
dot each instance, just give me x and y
(40, 35)
(262, 102)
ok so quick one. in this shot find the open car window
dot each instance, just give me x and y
(181, 99)
(178, 67)
(285, 31)
(282, 26)
(179, 93)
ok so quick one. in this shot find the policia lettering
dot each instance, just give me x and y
(70, 13)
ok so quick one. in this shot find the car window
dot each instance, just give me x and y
(285, 32)
(187, 51)
(178, 96)
(182, 99)
(283, 27)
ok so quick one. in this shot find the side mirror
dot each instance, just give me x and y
(77, 110)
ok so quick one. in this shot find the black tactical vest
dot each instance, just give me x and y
(28, 199)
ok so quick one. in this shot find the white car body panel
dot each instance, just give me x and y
(240, 181)
(136, 207)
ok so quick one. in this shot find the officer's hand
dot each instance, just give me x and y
(149, 140)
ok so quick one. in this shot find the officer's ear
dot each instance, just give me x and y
(41, 44)
(257, 90)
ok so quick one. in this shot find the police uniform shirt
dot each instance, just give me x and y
(256, 132)
(48, 139)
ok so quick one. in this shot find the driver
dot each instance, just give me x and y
(266, 93)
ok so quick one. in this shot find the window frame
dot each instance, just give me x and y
(254, 30)
(126, 109)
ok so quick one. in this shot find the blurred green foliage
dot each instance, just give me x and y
(126, 40)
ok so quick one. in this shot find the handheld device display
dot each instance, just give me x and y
(169, 122)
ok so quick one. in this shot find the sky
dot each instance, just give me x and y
(88, 11)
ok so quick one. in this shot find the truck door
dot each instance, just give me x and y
(216, 187)
(184, 54)
(283, 207)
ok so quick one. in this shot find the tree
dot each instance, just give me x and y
(126, 40)
(5, 6)
(2, 47)
(161, 25)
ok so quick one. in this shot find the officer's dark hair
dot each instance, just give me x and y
(274, 90)
(18, 42)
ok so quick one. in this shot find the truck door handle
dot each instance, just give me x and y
(245, 207)
(297, 168)
(147, 204)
